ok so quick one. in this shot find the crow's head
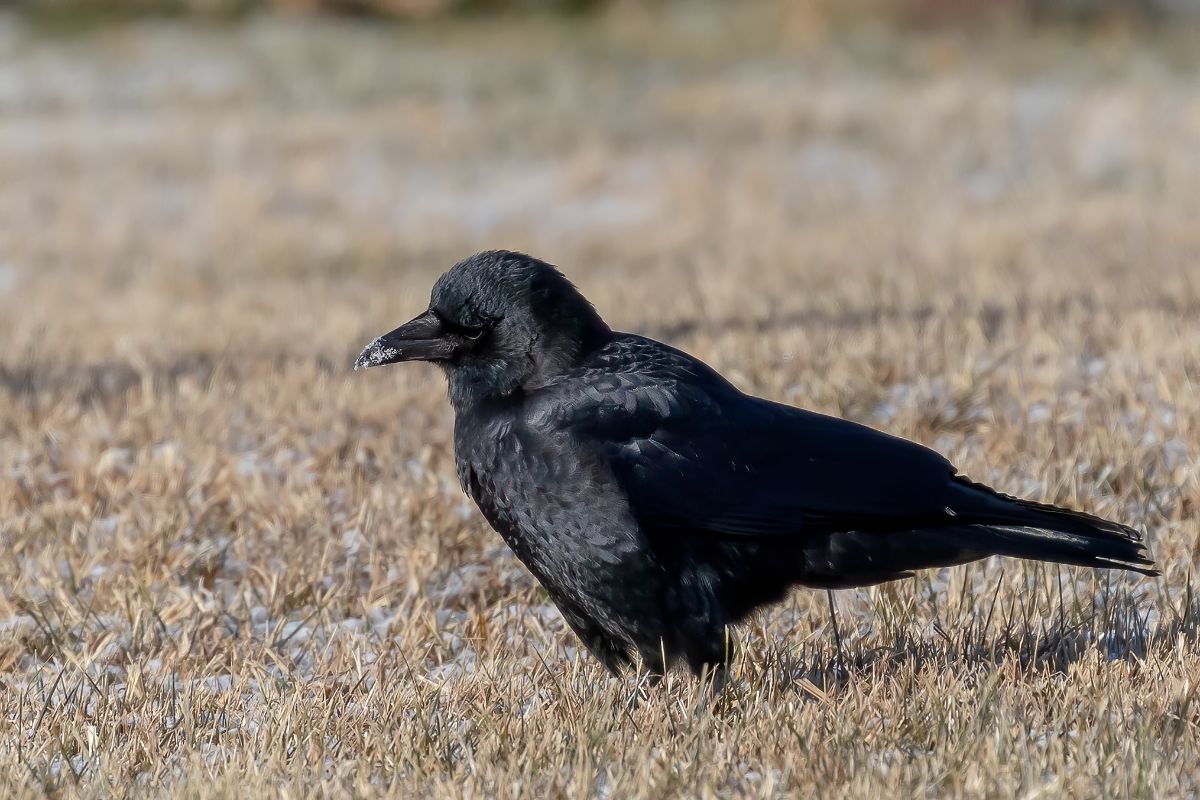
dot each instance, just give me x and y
(497, 322)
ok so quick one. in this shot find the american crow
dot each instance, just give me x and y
(657, 504)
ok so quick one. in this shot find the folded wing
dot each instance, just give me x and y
(696, 456)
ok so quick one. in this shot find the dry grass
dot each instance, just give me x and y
(232, 567)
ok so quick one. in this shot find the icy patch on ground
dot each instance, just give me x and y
(9, 275)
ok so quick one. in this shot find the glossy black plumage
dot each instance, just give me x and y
(657, 504)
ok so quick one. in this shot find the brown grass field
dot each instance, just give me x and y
(232, 567)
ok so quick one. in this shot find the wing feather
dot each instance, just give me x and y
(699, 456)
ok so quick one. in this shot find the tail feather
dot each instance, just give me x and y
(1010, 526)
(981, 522)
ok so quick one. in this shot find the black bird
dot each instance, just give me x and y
(657, 504)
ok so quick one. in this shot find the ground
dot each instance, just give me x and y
(233, 567)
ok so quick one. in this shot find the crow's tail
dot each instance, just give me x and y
(1009, 526)
(984, 523)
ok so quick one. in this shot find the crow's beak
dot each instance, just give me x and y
(419, 339)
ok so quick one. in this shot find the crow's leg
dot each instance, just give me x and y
(709, 657)
(654, 658)
(837, 634)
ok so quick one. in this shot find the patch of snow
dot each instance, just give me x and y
(115, 460)
(458, 583)
(218, 684)
(828, 167)
(9, 274)
(353, 540)
(13, 627)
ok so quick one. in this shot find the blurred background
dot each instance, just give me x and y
(969, 223)
(921, 11)
(296, 144)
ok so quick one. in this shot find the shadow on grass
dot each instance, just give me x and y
(1115, 626)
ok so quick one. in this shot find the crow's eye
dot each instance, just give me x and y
(469, 332)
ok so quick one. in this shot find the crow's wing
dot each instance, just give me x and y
(694, 454)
